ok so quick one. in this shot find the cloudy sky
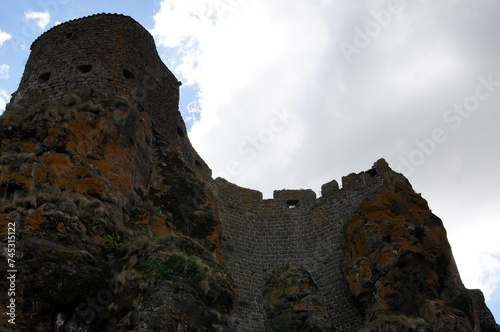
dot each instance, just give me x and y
(292, 94)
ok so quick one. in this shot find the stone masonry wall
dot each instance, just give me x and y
(116, 57)
(294, 228)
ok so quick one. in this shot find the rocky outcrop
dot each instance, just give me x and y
(293, 302)
(108, 223)
(399, 265)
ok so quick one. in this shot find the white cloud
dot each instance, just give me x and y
(43, 18)
(477, 253)
(4, 71)
(4, 36)
(4, 98)
(257, 57)
(227, 51)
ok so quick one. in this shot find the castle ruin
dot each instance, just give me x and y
(117, 57)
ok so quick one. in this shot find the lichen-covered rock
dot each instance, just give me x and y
(173, 284)
(83, 181)
(293, 302)
(398, 261)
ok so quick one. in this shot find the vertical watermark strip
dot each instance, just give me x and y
(11, 272)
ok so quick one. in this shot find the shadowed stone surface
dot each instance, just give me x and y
(120, 226)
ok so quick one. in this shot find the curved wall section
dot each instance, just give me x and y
(115, 56)
(111, 53)
(293, 229)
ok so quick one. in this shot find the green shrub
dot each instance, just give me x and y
(173, 265)
(111, 241)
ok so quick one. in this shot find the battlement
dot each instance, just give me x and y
(294, 199)
(294, 228)
(351, 182)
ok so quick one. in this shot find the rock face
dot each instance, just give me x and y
(398, 261)
(120, 226)
(293, 302)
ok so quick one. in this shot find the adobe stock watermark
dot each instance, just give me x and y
(363, 37)
(88, 309)
(454, 117)
(251, 146)
(29, 29)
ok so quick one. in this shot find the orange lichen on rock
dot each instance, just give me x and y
(4, 223)
(35, 219)
(160, 227)
(60, 170)
(91, 186)
(97, 239)
(216, 239)
(17, 178)
(142, 217)
(397, 256)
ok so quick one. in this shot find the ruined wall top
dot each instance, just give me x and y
(307, 197)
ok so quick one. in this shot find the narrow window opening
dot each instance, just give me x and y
(128, 74)
(180, 132)
(69, 35)
(43, 78)
(84, 68)
(292, 204)
(197, 163)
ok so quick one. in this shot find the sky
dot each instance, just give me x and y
(293, 94)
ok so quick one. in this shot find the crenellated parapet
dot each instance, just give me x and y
(294, 228)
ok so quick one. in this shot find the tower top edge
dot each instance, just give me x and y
(64, 24)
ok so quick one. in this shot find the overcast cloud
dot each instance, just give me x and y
(295, 94)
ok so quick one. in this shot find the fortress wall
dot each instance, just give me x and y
(242, 249)
(293, 228)
(327, 220)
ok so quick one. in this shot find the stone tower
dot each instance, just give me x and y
(117, 57)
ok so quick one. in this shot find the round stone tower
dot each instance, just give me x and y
(115, 56)
(112, 53)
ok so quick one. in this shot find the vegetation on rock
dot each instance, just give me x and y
(74, 177)
(398, 262)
